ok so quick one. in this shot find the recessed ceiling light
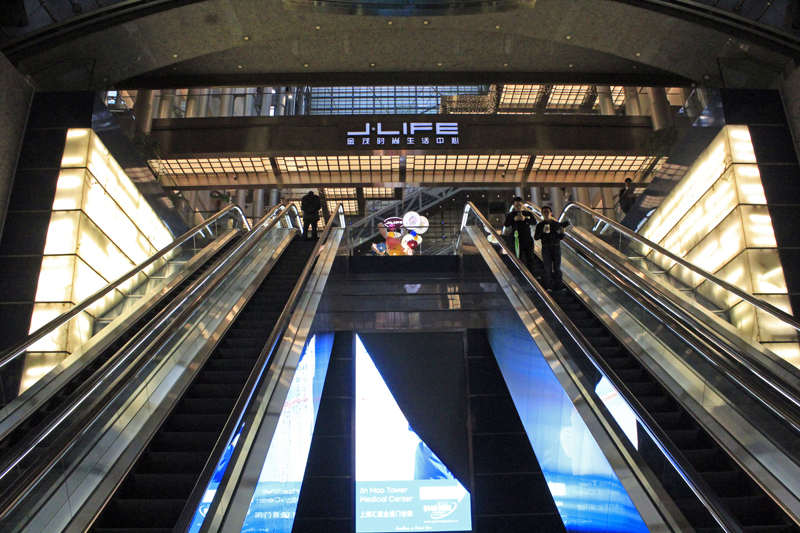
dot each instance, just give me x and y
(318, 27)
(497, 27)
(240, 66)
(439, 64)
(305, 64)
(570, 65)
(246, 38)
(505, 64)
(425, 22)
(174, 55)
(569, 37)
(372, 64)
(638, 54)
(389, 23)
(634, 66)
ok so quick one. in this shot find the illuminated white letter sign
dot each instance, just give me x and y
(446, 128)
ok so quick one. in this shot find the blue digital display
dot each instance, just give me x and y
(401, 485)
(274, 503)
(587, 492)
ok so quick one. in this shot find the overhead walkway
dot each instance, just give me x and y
(690, 425)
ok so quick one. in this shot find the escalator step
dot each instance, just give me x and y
(196, 422)
(215, 391)
(197, 405)
(708, 460)
(173, 462)
(181, 441)
(223, 377)
(149, 486)
(144, 513)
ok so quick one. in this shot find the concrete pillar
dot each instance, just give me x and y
(202, 103)
(240, 198)
(226, 102)
(193, 102)
(251, 95)
(632, 105)
(266, 101)
(143, 109)
(660, 110)
(607, 193)
(536, 198)
(165, 103)
(605, 100)
(274, 197)
(556, 201)
(582, 196)
(258, 203)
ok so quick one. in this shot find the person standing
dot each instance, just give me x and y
(550, 231)
(518, 226)
(626, 199)
(310, 206)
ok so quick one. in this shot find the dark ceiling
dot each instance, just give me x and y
(261, 42)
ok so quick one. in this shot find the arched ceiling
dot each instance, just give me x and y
(260, 42)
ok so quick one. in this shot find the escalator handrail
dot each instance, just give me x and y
(254, 381)
(688, 473)
(12, 496)
(22, 346)
(707, 343)
(781, 315)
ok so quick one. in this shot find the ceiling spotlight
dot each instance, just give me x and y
(570, 66)
(246, 38)
(497, 27)
(569, 37)
(372, 64)
(174, 55)
(425, 22)
(505, 64)
(305, 65)
(439, 64)
(638, 54)
(318, 27)
(389, 23)
(240, 66)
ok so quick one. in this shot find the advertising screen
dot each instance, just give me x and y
(401, 485)
(588, 494)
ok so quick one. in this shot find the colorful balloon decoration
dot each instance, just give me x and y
(411, 219)
(393, 223)
(422, 227)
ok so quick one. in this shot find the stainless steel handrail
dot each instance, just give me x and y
(21, 347)
(13, 495)
(752, 300)
(688, 473)
(245, 400)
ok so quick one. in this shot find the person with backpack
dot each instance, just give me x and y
(550, 231)
(310, 205)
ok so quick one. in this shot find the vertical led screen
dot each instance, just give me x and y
(274, 502)
(588, 494)
(401, 485)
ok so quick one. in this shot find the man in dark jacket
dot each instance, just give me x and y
(310, 206)
(517, 227)
(626, 198)
(550, 231)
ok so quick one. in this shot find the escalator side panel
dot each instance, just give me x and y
(34, 406)
(102, 454)
(155, 492)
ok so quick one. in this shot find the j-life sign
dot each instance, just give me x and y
(406, 135)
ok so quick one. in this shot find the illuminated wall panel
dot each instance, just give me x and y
(717, 218)
(100, 227)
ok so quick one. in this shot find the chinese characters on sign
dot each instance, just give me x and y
(410, 134)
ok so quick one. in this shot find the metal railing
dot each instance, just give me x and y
(88, 400)
(773, 311)
(22, 346)
(673, 455)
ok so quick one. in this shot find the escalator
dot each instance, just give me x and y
(740, 494)
(741, 497)
(39, 416)
(154, 493)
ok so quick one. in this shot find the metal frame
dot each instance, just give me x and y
(21, 347)
(752, 300)
(678, 461)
